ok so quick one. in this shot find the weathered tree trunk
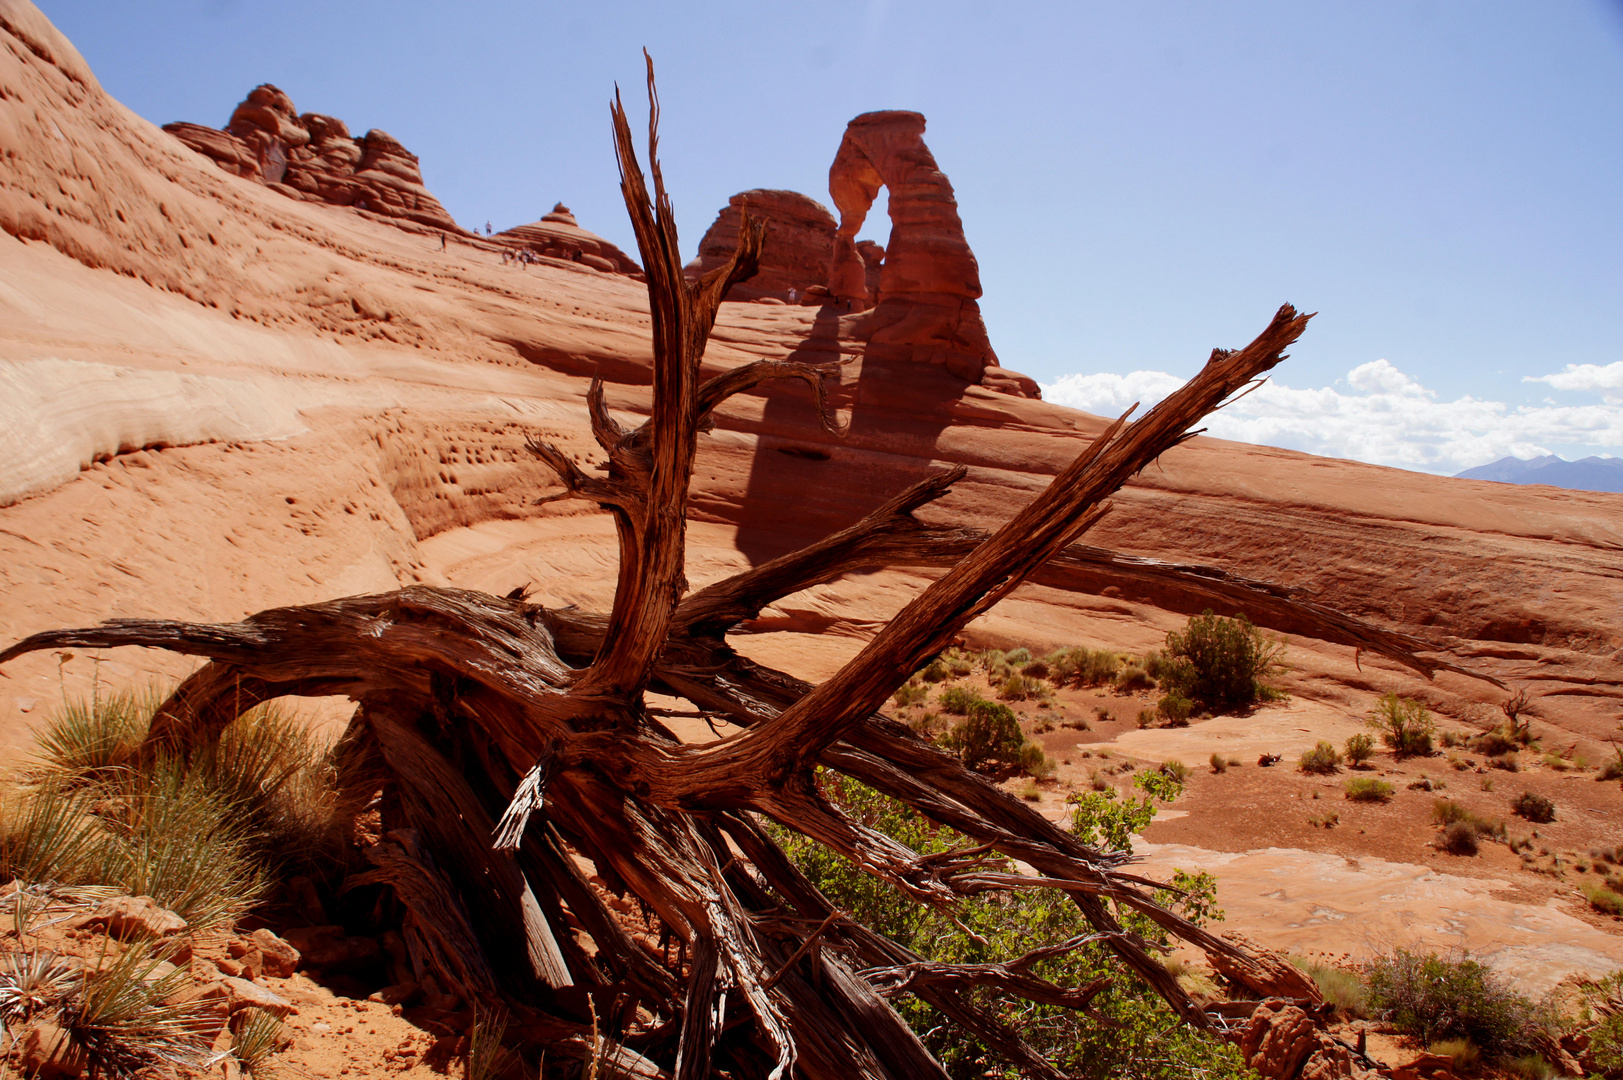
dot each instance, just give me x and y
(518, 736)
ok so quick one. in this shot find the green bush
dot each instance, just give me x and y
(935, 671)
(1606, 1045)
(987, 736)
(1359, 749)
(1175, 709)
(1323, 758)
(957, 700)
(1404, 725)
(1133, 679)
(1366, 789)
(1433, 998)
(1035, 762)
(1533, 807)
(1150, 1042)
(1081, 666)
(1219, 663)
(1446, 812)
(1019, 688)
(910, 694)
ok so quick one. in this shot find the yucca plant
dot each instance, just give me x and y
(118, 1015)
(87, 740)
(255, 1040)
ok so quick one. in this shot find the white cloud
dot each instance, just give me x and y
(1608, 380)
(1381, 415)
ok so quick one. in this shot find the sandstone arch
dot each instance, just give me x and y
(925, 310)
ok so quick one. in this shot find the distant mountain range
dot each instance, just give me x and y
(1586, 474)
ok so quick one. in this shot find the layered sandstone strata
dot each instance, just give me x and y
(558, 235)
(799, 245)
(314, 157)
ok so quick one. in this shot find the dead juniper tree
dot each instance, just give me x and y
(516, 738)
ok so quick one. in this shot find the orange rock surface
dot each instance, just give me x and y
(218, 399)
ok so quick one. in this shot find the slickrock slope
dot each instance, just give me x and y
(220, 399)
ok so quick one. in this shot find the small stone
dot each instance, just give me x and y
(281, 959)
(126, 917)
(229, 966)
(47, 1051)
(245, 995)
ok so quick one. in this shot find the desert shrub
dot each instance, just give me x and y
(1404, 725)
(1459, 838)
(1035, 762)
(1529, 1067)
(1175, 708)
(1037, 669)
(1359, 748)
(1147, 718)
(1533, 807)
(1019, 688)
(1606, 1044)
(1601, 898)
(1446, 813)
(1494, 743)
(1081, 666)
(1132, 679)
(910, 694)
(1341, 988)
(1176, 769)
(1218, 764)
(1324, 758)
(1367, 789)
(1611, 769)
(958, 666)
(1016, 657)
(998, 927)
(1463, 1055)
(987, 736)
(935, 671)
(1219, 663)
(957, 700)
(1029, 791)
(1156, 664)
(1433, 998)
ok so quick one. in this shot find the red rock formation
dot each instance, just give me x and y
(924, 310)
(560, 236)
(799, 244)
(314, 157)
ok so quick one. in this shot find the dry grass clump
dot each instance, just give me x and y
(200, 834)
(1341, 988)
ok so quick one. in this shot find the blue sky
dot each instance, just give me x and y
(1140, 181)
